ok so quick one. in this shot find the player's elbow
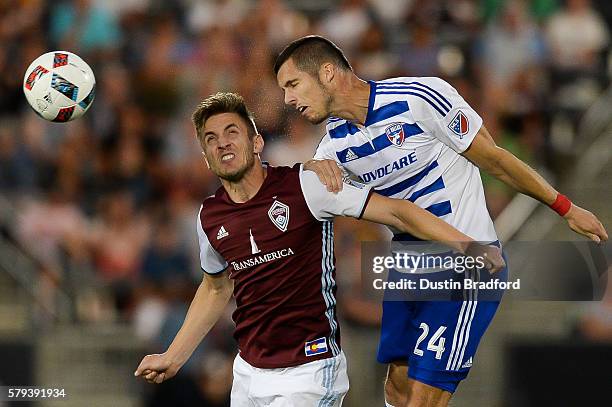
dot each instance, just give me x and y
(401, 218)
(220, 287)
(223, 292)
(494, 161)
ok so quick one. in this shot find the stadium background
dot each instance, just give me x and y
(98, 250)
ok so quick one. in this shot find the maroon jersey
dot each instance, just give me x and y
(281, 259)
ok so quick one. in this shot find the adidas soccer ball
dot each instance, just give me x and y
(59, 86)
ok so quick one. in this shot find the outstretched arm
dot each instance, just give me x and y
(359, 201)
(410, 218)
(206, 308)
(506, 167)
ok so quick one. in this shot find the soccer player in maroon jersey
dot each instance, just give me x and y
(266, 237)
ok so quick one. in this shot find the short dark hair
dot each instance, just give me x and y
(310, 52)
(222, 102)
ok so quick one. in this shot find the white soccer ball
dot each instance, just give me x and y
(59, 86)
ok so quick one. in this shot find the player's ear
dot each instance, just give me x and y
(258, 143)
(327, 72)
(205, 160)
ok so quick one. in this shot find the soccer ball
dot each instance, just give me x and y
(59, 86)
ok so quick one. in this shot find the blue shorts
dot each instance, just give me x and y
(438, 339)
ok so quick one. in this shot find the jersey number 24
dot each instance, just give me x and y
(435, 343)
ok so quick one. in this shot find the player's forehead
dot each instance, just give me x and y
(219, 122)
(289, 72)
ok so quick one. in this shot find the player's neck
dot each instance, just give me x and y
(351, 100)
(248, 186)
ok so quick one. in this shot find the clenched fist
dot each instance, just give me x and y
(157, 367)
(491, 255)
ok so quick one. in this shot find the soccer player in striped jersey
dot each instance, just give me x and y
(415, 139)
(266, 237)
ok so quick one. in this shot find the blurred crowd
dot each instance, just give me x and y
(107, 204)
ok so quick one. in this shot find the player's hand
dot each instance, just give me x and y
(328, 172)
(490, 255)
(156, 368)
(584, 222)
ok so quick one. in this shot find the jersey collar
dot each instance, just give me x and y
(371, 101)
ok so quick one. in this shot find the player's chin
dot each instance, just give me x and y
(232, 175)
(316, 119)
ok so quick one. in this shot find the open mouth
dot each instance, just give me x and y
(227, 157)
(302, 109)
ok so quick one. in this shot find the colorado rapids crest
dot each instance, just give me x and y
(279, 215)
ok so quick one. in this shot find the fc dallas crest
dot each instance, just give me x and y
(395, 134)
(460, 124)
(279, 215)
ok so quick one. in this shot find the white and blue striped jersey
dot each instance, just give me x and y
(410, 148)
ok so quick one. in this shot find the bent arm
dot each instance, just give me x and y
(206, 308)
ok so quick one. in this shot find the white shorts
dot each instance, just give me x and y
(322, 383)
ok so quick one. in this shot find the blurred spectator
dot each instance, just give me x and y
(299, 145)
(47, 226)
(540, 9)
(512, 54)
(426, 12)
(119, 238)
(278, 22)
(118, 241)
(511, 44)
(156, 85)
(82, 26)
(391, 11)
(17, 163)
(164, 261)
(420, 56)
(347, 23)
(374, 61)
(204, 15)
(577, 35)
(113, 94)
(217, 50)
(19, 17)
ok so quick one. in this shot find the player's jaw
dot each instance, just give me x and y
(316, 106)
(312, 114)
(232, 164)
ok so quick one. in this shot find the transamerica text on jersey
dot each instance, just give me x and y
(264, 258)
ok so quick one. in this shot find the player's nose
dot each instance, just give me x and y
(223, 144)
(290, 99)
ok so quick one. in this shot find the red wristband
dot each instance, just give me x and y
(561, 205)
